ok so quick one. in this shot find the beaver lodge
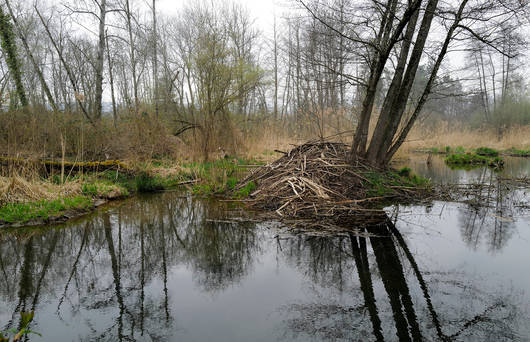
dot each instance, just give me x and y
(315, 181)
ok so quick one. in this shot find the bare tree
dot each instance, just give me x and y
(397, 41)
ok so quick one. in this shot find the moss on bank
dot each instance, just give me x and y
(44, 209)
(390, 183)
(474, 159)
(517, 152)
(486, 151)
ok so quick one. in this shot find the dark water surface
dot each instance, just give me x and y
(170, 268)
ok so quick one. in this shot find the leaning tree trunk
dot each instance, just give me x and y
(396, 102)
(10, 51)
(33, 60)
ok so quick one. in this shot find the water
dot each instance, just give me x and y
(170, 268)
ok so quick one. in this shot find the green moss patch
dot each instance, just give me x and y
(473, 159)
(391, 183)
(24, 212)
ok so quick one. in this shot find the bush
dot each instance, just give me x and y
(147, 183)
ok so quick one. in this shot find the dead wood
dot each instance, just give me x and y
(315, 181)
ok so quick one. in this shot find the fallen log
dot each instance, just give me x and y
(48, 166)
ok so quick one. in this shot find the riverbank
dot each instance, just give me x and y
(483, 151)
(37, 201)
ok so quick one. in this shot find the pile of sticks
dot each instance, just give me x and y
(314, 180)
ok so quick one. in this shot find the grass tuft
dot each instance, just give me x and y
(43, 209)
(388, 183)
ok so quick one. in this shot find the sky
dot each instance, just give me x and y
(261, 10)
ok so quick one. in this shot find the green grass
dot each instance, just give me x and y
(20, 333)
(433, 149)
(104, 189)
(405, 172)
(43, 209)
(387, 183)
(517, 153)
(486, 151)
(245, 191)
(220, 176)
(445, 150)
(144, 182)
(473, 159)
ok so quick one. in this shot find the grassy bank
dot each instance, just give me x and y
(44, 209)
(488, 158)
(480, 151)
(40, 201)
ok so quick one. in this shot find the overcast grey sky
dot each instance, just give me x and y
(261, 10)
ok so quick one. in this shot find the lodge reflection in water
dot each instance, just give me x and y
(118, 264)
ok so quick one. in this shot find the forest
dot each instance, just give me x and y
(119, 79)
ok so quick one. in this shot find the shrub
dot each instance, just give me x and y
(147, 183)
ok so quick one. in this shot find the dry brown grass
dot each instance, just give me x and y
(448, 135)
(16, 189)
(143, 138)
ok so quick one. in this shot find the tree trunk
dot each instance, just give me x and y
(111, 80)
(33, 61)
(389, 123)
(155, 60)
(99, 60)
(10, 51)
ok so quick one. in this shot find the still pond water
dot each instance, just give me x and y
(167, 267)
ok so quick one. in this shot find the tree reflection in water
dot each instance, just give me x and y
(109, 278)
(381, 302)
(115, 263)
(488, 218)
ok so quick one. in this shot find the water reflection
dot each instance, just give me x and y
(440, 173)
(390, 297)
(167, 267)
(491, 204)
(489, 213)
(109, 264)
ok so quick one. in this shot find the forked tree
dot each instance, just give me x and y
(395, 37)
